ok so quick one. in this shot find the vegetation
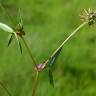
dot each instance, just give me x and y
(47, 24)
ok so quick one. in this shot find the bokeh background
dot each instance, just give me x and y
(47, 23)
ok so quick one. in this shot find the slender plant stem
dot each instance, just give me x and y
(7, 91)
(37, 73)
(29, 51)
(35, 83)
(73, 33)
(62, 44)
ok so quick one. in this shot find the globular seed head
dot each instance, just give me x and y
(88, 15)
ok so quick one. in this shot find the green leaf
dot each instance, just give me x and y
(20, 47)
(20, 24)
(10, 38)
(6, 28)
(52, 61)
(20, 19)
(18, 43)
(54, 57)
(51, 78)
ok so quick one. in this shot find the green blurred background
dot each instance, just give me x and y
(47, 23)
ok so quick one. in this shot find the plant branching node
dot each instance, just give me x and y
(88, 15)
(39, 67)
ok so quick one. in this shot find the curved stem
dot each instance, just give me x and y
(62, 44)
(29, 51)
(34, 87)
(7, 91)
(35, 84)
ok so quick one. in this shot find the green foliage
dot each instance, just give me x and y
(10, 38)
(52, 61)
(54, 57)
(46, 23)
(51, 77)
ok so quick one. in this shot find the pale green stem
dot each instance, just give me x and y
(35, 83)
(29, 51)
(62, 44)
